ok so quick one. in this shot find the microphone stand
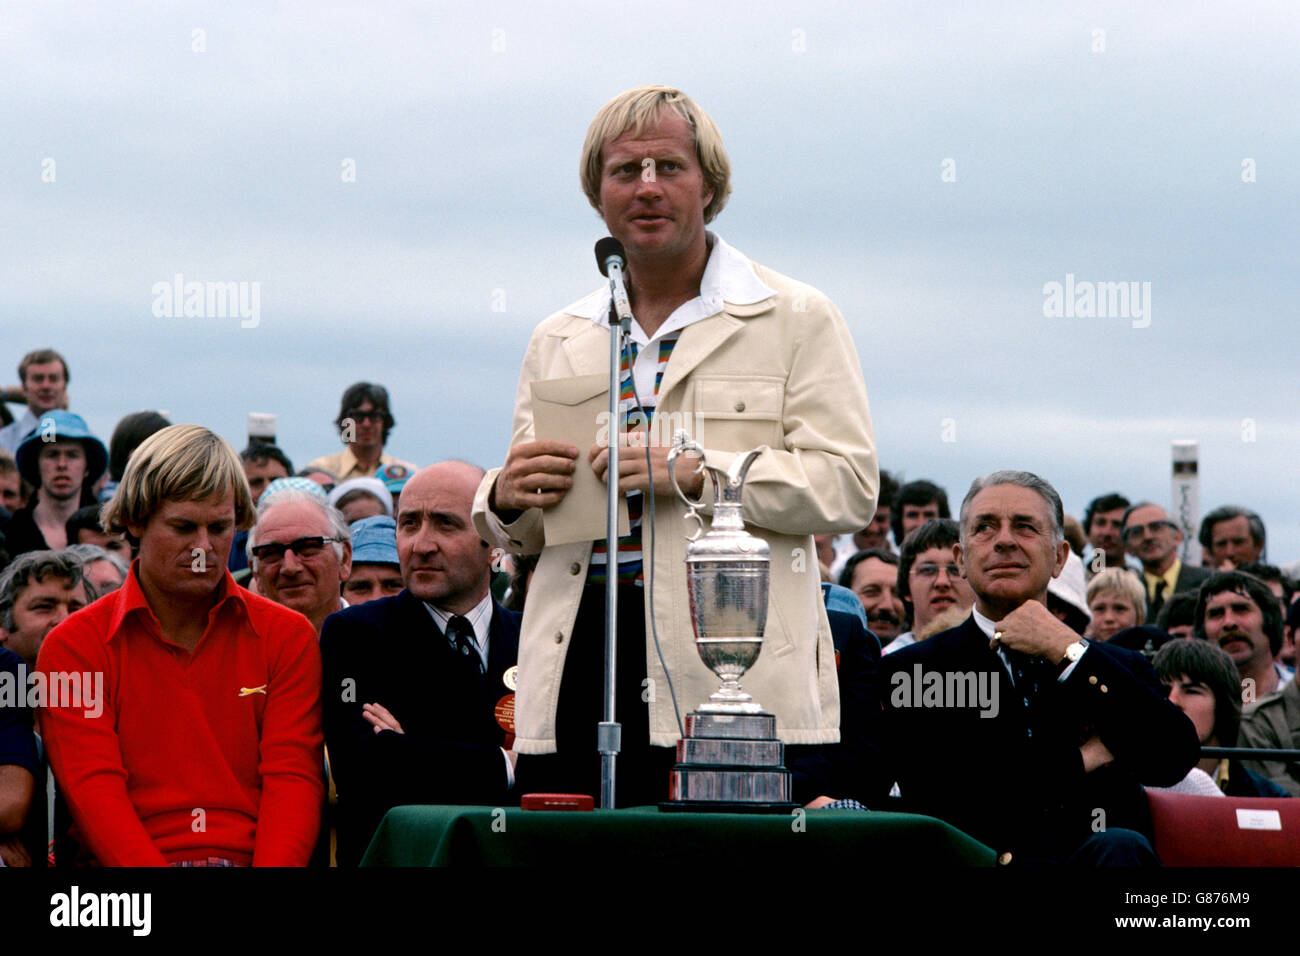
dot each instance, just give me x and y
(609, 732)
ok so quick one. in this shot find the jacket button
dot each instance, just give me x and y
(1092, 679)
(1004, 859)
(575, 568)
(1104, 688)
(559, 637)
(740, 406)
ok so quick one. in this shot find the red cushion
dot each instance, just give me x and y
(1225, 831)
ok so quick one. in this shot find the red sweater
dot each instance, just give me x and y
(215, 752)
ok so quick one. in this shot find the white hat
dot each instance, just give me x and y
(374, 486)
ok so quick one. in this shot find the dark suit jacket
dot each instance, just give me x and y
(22, 533)
(1189, 579)
(851, 768)
(1015, 780)
(391, 652)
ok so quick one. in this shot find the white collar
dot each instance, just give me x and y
(479, 617)
(986, 625)
(982, 622)
(728, 277)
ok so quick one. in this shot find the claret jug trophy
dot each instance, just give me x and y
(730, 759)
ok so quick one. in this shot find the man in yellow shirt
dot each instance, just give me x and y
(1153, 539)
(364, 424)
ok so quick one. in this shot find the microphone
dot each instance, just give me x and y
(612, 260)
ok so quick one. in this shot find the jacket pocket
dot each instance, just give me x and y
(737, 413)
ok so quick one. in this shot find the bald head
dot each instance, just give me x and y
(454, 476)
(444, 561)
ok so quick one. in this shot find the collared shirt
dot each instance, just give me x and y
(900, 642)
(1169, 579)
(11, 435)
(986, 626)
(479, 617)
(232, 727)
(729, 277)
(345, 465)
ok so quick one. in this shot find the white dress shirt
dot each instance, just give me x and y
(480, 618)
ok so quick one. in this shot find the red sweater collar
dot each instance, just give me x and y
(130, 599)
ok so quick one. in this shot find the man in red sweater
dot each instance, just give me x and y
(206, 749)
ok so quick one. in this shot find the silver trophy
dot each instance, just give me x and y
(730, 758)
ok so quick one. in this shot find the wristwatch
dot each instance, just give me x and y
(1073, 652)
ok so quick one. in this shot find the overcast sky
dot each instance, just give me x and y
(930, 167)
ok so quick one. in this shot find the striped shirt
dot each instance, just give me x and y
(630, 563)
(728, 277)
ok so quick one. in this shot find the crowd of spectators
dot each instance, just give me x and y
(163, 556)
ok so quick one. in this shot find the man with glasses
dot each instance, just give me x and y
(364, 424)
(1153, 539)
(200, 741)
(929, 581)
(300, 551)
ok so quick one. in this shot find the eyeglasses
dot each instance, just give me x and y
(305, 548)
(371, 415)
(929, 571)
(1152, 528)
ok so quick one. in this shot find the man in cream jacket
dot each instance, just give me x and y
(744, 358)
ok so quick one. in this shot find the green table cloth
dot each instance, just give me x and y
(487, 836)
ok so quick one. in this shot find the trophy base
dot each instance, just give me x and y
(730, 707)
(729, 752)
(730, 784)
(758, 726)
(729, 763)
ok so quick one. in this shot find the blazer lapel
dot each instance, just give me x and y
(698, 341)
(503, 648)
(419, 627)
(586, 345)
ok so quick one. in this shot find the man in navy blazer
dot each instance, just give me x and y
(1012, 727)
(419, 687)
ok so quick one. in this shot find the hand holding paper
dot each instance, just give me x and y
(536, 475)
(632, 467)
(568, 414)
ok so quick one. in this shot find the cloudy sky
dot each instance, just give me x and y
(401, 182)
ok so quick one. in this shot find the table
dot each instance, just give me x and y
(488, 836)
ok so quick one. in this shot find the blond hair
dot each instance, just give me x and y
(637, 109)
(1124, 583)
(177, 463)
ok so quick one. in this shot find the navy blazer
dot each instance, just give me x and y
(853, 767)
(1014, 779)
(391, 652)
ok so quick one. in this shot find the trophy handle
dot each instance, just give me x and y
(682, 443)
(740, 468)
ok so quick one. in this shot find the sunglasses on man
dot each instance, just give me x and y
(1152, 528)
(304, 548)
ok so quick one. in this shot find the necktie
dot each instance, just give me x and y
(1157, 602)
(461, 634)
(1027, 673)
